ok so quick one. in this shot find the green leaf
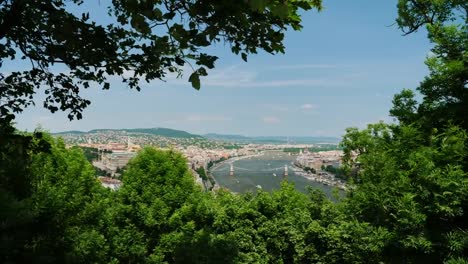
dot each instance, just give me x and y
(281, 11)
(138, 22)
(207, 60)
(258, 5)
(202, 71)
(244, 56)
(195, 80)
(158, 14)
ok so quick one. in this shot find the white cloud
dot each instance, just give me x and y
(309, 106)
(270, 120)
(240, 76)
(237, 76)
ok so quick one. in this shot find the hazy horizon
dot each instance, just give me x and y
(204, 134)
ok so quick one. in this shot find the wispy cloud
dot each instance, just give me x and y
(250, 79)
(270, 120)
(309, 106)
(307, 66)
(242, 77)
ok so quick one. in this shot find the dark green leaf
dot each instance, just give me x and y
(195, 80)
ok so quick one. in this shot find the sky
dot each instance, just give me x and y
(340, 71)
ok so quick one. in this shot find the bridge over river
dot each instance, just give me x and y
(232, 169)
(265, 171)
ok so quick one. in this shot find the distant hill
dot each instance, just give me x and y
(236, 138)
(73, 132)
(158, 131)
(299, 140)
(168, 132)
(272, 139)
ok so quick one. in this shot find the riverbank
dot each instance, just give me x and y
(321, 177)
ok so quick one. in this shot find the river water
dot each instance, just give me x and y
(265, 171)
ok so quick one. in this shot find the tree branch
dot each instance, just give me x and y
(11, 17)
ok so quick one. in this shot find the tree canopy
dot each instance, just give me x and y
(445, 90)
(146, 40)
(412, 176)
(161, 216)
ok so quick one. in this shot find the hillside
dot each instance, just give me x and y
(233, 138)
(158, 131)
(272, 139)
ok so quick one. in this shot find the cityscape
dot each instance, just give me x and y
(115, 148)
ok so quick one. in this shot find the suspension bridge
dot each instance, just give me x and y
(233, 168)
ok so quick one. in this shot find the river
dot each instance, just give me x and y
(265, 170)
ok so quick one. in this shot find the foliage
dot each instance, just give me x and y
(201, 171)
(233, 146)
(212, 163)
(177, 222)
(145, 40)
(317, 148)
(160, 215)
(412, 176)
(64, 202)
(418, 192)
(444, 91)
(90, 153)
(337, 172)
(310, 170)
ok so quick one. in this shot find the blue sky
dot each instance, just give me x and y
(340, 71)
